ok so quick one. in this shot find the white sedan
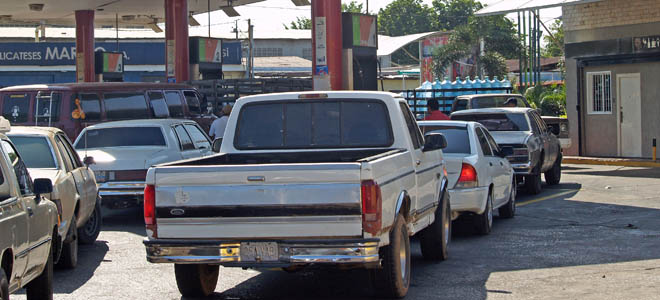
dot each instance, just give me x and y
(122, 152)
(481, 179)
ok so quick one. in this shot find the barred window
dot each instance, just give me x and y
(599, 92)
(267, 52)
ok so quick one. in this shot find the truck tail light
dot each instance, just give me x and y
(468, 178)
(150, 208)
(372, 207)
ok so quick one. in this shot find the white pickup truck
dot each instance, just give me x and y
(337, 179)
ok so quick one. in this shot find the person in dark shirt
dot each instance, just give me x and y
(434, 112)
(511, 102)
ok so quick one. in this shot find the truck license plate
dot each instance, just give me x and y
(259, 252)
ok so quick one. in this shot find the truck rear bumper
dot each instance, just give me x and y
(121, 194)
(289, 252)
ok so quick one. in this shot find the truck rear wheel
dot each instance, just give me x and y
(41, 288)
(393, 280)
(434, 240)
(533, 183)
(553, 176)
(4, 286)
(196, 280)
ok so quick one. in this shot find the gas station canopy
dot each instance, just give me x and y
(129, 12)
(510, 6)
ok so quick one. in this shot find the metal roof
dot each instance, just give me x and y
(509, 6)
(390, 44)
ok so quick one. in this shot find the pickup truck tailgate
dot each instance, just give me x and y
(259, 201)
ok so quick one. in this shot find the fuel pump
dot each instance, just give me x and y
(205, 58)
(360, 58)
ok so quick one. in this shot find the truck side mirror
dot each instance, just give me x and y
(42, 186)
(217, 143)
(434, 141)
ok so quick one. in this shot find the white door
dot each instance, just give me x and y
(630, 115)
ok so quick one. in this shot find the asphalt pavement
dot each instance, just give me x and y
(594, 236)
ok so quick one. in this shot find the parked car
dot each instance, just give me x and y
(335, 179)
(534, 149)
(48, 153)
(481, 179)
(73, 106)
(558, 126)
(28, 223)
(122, 152)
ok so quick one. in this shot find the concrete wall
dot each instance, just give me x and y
(609, 13)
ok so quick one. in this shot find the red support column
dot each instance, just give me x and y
(327, 44)
(177, 65)
(85, 46)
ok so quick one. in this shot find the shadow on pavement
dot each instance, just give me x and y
(124, 220)
(553, 233)
(622, 172)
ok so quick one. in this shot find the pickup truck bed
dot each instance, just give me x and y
(289, 157)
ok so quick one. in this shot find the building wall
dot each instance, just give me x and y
(300, 48)
(609, 13)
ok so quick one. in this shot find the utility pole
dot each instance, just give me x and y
(236, 30)
(251, 48)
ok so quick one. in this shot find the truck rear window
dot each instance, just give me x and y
(121, 137)
(313, 124)
(497, 122)
(458, 140)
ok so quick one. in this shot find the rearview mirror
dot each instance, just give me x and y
(506, 151)
(88, 160)
(42, 186)
(216, 145)
(434, 141)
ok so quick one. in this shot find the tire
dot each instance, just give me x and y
(41, 288)
(90, 231)
(393, 280)
(69, 257)
(553, 176)
(484, 222)
(533, 184)
(4, 286)
(509, 209)
(197, 280)
(434, 240)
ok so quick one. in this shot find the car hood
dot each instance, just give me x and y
(114, 159)
(511, 137)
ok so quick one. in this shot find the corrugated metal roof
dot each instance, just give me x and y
(509, 6)
(390, 44)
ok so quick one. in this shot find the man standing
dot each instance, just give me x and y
(218, 126)
(434, 112)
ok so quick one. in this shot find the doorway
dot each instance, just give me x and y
(630, 115)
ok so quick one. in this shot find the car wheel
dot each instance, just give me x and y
(41, 288)
(434, 240)
(90, 231)
(553, 176)
(197, 280)
(533, 183)
(69, 257)
(4, 286)
(393, 280)
(484, 222)
(509, 209)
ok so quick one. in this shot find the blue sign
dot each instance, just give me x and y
(61, 54)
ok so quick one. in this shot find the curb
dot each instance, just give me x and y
(611, 162)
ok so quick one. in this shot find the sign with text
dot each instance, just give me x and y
(205, 50)
(109, 62)
(646, 44)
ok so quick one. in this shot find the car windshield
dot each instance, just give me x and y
(120, 137)
(497, 121)
(313, 124)
(458, 140)
(35, 151)
(494, 101)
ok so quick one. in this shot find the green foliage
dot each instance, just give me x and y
(300, 23)
(453, 13)
(554, 47)
(353, 7)
(550, 99)
(494, 64)
(402, 17)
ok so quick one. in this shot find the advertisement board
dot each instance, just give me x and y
(364, 31)
(205, 50)
(427, 48)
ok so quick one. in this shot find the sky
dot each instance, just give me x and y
(270, 15)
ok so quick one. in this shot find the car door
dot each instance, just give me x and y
(502, 177)
(201, 141)
(186, 146)
(14, 222)
(39, 230)
(547, 139)
(72, 170)
(425, 165)
(84, 177)
(490, 162)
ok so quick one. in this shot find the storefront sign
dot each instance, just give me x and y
(646, 44)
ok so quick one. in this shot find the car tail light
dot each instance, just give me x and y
(150, 208)
(468, 178)
(371, 207)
